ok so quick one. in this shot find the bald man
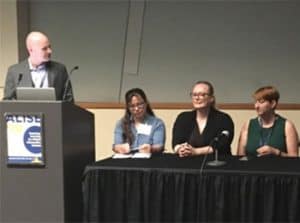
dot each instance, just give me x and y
(38, 71)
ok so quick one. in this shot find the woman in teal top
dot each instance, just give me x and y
(269, 133)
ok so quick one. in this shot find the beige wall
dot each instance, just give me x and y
(8, 38)
(105, 120)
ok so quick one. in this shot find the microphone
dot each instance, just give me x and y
(214, 144)
(74, 68)
(68, 82)
(223, 135)
(20, 77)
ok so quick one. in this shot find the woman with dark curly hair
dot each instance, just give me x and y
(139, 130)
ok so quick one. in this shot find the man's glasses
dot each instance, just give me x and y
(140, 105)
(199, 95)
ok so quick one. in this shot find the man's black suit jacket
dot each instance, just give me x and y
(18, 75)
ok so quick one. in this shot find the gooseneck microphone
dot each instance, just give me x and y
(74, 68)
(68, 82)
(218, 138)
(214, 144)
(20, 77)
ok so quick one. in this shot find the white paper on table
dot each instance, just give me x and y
(141, 155)
(121, 156)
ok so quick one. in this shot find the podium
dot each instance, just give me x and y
(51, 192)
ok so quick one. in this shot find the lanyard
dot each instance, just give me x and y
(265, 135)
(38, 78)
(42, 81)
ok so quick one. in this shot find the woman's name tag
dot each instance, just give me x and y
(144, 129)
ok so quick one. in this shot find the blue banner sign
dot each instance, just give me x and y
(24, 139)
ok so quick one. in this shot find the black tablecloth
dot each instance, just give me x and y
(167, 188)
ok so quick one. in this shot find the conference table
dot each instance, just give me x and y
(167, 188)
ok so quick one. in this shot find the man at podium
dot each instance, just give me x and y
(38, 71)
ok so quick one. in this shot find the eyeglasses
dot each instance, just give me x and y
(260, 101)
(199, 95)
(140, 105)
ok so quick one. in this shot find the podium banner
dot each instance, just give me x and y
(25, 139)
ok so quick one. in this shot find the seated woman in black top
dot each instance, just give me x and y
(194, 131)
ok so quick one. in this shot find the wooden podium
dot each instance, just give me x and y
(52, 192)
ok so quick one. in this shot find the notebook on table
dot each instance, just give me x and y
(35, 94)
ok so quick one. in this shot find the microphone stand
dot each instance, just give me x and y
(68, 82)
(216, 161)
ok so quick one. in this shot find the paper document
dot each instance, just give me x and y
(121, 156)
(141, 155)
(134, 155)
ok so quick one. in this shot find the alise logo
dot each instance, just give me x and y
(23, 118)
(33, 139)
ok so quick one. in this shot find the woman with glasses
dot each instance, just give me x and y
(204, 128)
(139, 130)
(268, 133)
